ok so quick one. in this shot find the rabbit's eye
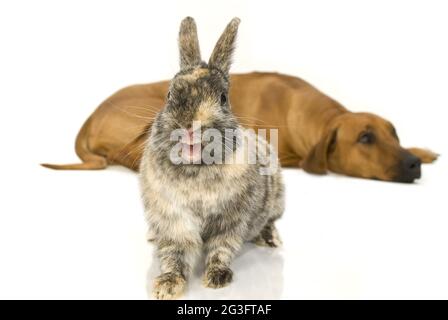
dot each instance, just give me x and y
(168, 95)
(223, 99)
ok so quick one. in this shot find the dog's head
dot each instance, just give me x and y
(363, 145)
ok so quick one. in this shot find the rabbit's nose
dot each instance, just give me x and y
(188, 138)
(190, 133)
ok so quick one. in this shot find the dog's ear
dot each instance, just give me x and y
(317, 159)
(190, 55)
(221, 57)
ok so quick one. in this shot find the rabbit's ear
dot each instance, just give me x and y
(190, 54)
(222, 54)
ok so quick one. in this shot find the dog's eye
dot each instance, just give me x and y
(223, 99)
(366, 138)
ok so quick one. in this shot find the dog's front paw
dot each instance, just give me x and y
(169, 286)
(429, 157)
(425, 155)
(218, 277)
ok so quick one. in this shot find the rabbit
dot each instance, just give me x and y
(197, 207)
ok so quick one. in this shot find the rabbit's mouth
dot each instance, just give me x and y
(192, 152)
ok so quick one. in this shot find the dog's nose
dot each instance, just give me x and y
(412, 163)
(410, 169)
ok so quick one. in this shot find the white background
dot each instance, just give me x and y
(82, 234)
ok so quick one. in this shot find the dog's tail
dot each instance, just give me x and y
(91, 161)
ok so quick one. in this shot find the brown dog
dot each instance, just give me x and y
(315, 132)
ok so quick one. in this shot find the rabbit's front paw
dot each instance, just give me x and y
(217, 277)
(168, 286)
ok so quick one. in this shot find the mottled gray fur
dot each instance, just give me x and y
(212, 208)
(189, 44)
